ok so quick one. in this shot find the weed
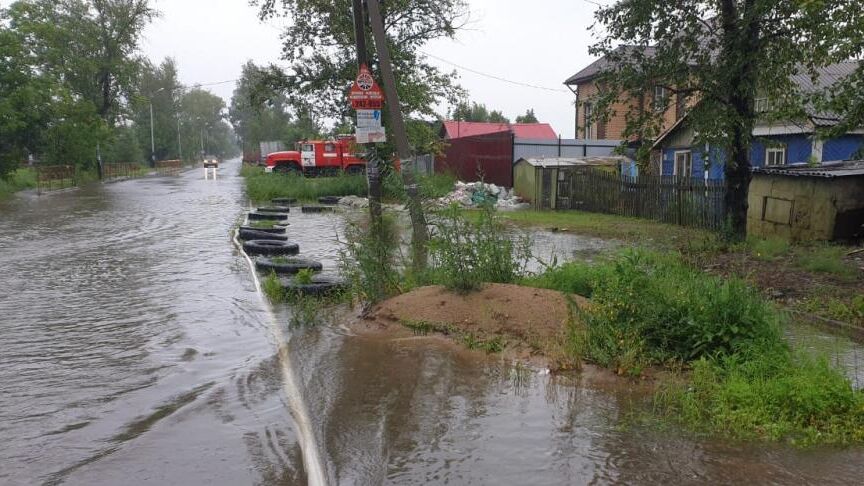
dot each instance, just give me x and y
(465, 254)
(18, 180)
(304, 276)
(825, 259)
(768, 249)
(842, 309)
(272, 288)
(369, 260)
(420, 328)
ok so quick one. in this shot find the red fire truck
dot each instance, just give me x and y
(319, 157)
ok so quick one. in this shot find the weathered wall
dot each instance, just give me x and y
(524, 181)
(800, 208)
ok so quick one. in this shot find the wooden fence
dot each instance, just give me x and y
(54, 177)
(677, 200)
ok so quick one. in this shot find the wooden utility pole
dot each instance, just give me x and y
(420, 237)
(373, 171)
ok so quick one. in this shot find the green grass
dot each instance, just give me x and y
(272, 288)
(743, 380)
(768, 249)
(264, 223)
(849, 310)
(262, 186)
(495, 344)
(19, 180)
(825, 259)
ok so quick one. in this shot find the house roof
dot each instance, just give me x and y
(828, 170)
(459, 129)
(826, 77)
(599, 65)
(610, 160)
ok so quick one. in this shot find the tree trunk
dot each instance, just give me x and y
(420, 239)
(738, 176)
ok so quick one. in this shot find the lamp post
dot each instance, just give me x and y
(152, 131)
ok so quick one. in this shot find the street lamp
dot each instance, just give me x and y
(152, 135)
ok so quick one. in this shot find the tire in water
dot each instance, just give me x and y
(270, 248)
(288, 267)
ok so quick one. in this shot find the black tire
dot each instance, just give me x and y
(356, 170)
(290, 267)
(320, 286)
(287, 169)
(271, 248)
(316, 209)
(247, 234)
(283, 201)
(274, 209)
(253, 216)
(329, 200)
(275, 231)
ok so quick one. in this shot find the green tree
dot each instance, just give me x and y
(320, 50)
(528, 117)
(717, 55)
(476, 112)
(204, 125)
(160, 86)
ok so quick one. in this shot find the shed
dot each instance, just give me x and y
(535, 180)
(808, 203)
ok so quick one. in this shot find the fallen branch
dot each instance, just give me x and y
(855, 252)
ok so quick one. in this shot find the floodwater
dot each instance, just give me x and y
(135, 349)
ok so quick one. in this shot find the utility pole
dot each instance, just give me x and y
(420, 237)
(152, 138)
(373, 172)
(179, 140)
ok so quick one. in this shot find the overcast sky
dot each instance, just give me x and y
(540, 42)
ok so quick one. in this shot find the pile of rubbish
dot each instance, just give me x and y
(354, 202)
(474, 194)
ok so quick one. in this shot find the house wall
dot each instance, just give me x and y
(842, 148)
(799, 148)
(800, 208)
(614, 128)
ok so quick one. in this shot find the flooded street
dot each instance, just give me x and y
(135, 349)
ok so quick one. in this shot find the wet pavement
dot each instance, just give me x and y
(135, 349)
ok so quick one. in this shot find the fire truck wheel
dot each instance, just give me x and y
(271, 247)
(254, 234)
(275, 231)
(316, 209)
(329, 200)
(355, 170)
(274, 209)
(254, 216)
(286, 169)
(320, 286)
(287, 266)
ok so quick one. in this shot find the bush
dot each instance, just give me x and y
(17, 180)
(650, 308)
(466, 254)
(369, 260)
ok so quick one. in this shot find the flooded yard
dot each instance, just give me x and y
(135, 349)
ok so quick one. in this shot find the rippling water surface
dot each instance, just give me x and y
(134, 349)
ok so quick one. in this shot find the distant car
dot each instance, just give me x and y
(211, 161)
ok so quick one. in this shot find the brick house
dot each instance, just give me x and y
(586, 86)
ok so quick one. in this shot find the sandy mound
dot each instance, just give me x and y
(524, 316)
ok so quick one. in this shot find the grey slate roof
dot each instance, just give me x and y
(828, 170)
(597, 66)
(826, 77)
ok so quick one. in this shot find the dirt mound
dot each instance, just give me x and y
(528, 319)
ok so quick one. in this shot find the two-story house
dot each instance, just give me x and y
(586, 86)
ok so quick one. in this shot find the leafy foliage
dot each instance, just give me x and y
(528, 117)
(474, 112)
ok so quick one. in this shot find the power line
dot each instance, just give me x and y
(492, 76)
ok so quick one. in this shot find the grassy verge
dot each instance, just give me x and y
(19, 180)
(741, 379)
(262, 186)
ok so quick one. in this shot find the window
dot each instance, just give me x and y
(307, 147)
(661, 97)
(588, 111)
(761, 105)
(683, 164)
(775, 156)
(329, 147)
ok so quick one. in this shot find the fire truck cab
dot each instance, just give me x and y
(319, 157)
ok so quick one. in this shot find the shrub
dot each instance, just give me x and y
(466, 254)
(369, 260)
(650, 308)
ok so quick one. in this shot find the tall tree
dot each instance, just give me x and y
(204, 125)
(159, 86)
(476, 112)
(528, 117)
(319, 48)
(716, 55)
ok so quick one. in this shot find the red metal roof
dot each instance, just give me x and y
(459, 129)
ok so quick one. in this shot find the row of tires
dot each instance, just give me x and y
(273, 252)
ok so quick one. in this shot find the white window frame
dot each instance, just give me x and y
(661, 97)
(587, 113)
(772, 154)
(761, 105)
(688, 163)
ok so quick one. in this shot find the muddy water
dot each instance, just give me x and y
(134, 349)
